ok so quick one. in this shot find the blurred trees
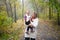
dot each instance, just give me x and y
(56, 5)
(12, 7)
(9, 9)
(47, 9)
(5, 21)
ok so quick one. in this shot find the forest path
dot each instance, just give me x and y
(45, 32)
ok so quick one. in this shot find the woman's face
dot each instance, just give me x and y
(33, 15)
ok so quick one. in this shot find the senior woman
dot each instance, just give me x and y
(34, 24)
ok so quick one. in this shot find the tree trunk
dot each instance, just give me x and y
(22, 8)
(11, 9)
(6, 3)
(49, 13)
(49, 10)
(15, 11)
(58, 17)
(36, 8)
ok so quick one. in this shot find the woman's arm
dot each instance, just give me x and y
(34, 23)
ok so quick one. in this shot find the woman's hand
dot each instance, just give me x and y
(31, 25)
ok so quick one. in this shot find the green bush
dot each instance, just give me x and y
(5, 20)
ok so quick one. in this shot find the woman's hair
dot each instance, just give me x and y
(35, 14)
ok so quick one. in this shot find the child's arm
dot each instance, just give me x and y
(31, 19)
(34, 23)
(25, 17)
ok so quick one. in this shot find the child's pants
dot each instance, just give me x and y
(27, 23)
(29, 27)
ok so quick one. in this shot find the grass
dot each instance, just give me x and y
(13, 33)
(4, 36)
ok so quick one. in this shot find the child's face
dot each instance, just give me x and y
(27, 12)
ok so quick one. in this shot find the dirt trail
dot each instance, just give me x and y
(45, 32)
